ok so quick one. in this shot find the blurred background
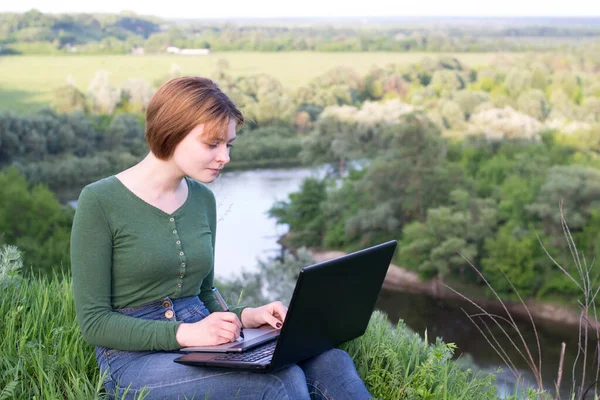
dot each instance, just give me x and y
(461, 129)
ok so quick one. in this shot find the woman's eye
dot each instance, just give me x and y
(229, 145)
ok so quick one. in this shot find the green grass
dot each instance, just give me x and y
(43, 355)
(26, 82)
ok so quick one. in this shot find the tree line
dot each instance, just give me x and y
(471, 140)
(93, 134)
(34, 32)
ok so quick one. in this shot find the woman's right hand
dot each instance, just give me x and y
(217, 328)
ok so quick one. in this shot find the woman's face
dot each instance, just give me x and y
(202, 159)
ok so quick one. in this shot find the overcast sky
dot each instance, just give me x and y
(311, 8)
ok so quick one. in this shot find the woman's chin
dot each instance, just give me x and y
(207, 176)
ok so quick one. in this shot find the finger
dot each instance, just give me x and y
(279, 310)
(231, 317)
(229, 335)
(230, 327)
(223, 338)
(271, 320)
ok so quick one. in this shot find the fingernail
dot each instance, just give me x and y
(278, 324)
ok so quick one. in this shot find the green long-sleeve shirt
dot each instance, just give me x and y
(126, 252)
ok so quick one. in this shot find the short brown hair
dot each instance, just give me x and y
(180, 105)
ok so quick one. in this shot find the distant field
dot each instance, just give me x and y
(26, 82)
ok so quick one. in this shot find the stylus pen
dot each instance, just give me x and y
(224, 306)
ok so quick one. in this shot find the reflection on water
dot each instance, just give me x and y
(244, 230)
(446, 320)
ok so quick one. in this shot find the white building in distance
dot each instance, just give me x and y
(188, 52)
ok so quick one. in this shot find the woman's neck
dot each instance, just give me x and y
(153, 178)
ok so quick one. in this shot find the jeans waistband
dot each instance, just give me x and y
(161, 307)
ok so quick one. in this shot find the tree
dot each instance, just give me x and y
(516, 252)
(445, 81)
(339, 76)
(533, 103)
(540, 76)
(35, 222)
(468, 101)
(103, 96)
(577, 188)
(422, 96)
(303, 213)
(436, 246)
(68, 98)
(347, 133)
(324, 143)
(487, 79)
(408, 176)
(263, 99)
(568, 83)
(498, 124)
(518, 80)
(562, 106)
(125, 130)
(591, 106)
(452, 114)
(136, 93)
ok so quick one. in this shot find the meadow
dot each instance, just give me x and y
(27, 82)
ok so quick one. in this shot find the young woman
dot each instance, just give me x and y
(142, 249)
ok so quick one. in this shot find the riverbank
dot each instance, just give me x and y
(404, 280)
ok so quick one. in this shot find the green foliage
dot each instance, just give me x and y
(486, 201)
(445, 81)
(533, 103)
(276, 144)
(45, 135)
(303, 212)
(578, 187)
(408, 176)
(516, 252)
(42, 352)
(517, 81)
(341, 205)
(125, 133)
(436, 247)
(10, 266)
(33, 220)
(263, 99)
(398, 364)
(68, 98)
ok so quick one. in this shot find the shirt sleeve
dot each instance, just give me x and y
(206, 295)
(91, 264)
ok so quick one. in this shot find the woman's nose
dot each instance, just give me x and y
(223, 156)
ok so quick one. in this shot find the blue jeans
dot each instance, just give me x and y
(330, 375)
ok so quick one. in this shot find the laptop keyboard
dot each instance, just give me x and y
(250, 355)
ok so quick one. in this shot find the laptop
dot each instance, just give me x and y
(332, 304)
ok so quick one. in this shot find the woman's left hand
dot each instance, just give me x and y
(271, 314)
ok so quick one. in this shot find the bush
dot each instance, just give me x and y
(396, 363)
(33, 220)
